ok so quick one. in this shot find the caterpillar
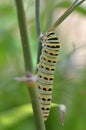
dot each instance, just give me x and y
(46, 68)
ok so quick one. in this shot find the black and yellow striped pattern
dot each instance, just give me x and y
(46, 68)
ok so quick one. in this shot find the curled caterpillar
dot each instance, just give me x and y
(46, 68)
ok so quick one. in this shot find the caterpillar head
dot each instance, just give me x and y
(43, 38)
(46, 36)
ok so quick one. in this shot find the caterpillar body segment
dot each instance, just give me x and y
(46, 68)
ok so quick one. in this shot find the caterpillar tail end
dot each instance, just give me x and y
(45, 117)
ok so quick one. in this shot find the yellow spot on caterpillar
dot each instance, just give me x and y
(44, 99)
(44, 108)
(53, 53)
(47, 89)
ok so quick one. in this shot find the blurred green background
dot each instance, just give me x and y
(70, 76)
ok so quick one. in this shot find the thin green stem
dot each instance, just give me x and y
(66, 14)
(28, 64)
(38, 28)
(37, 10)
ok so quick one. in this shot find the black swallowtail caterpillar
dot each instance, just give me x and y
(46, 68)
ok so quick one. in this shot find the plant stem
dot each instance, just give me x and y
(66, 14)
(37, 10)
(38, 28)
(24, 35)
(28, 64)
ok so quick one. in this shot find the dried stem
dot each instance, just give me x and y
(66, 14)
